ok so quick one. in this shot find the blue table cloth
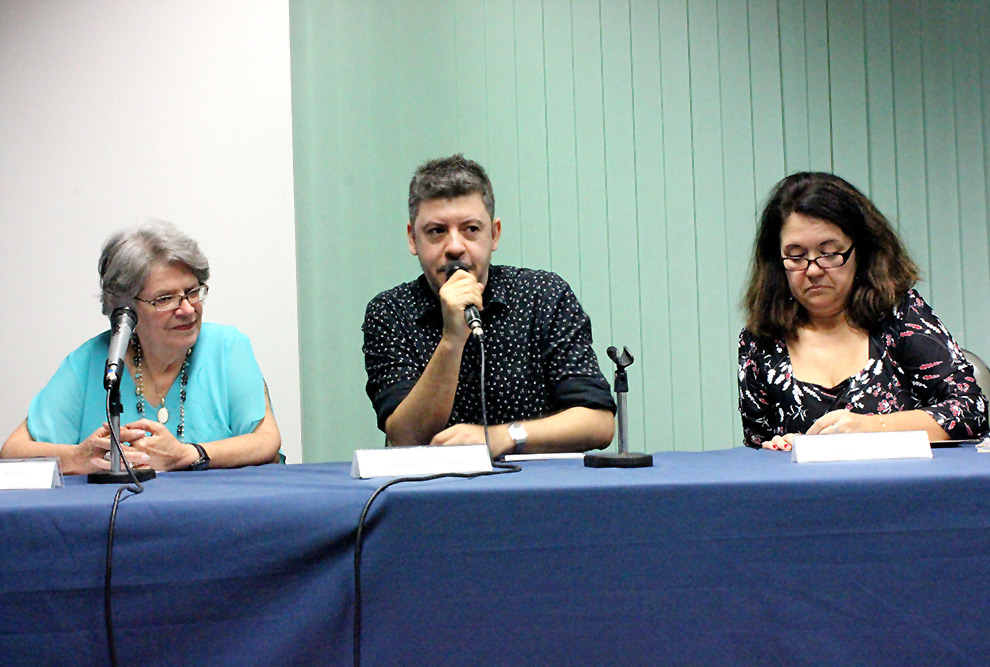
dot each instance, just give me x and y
(725, 557)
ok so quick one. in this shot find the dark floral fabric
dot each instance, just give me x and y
(914, 364)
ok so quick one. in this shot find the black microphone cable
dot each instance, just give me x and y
(135, 489)
(500, 469)
(481, 383)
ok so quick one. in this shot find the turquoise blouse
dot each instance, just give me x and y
(225, 392)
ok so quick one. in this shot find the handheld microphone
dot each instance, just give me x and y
(471, 313)
(123, 319)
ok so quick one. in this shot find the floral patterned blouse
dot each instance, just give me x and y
(914, 364)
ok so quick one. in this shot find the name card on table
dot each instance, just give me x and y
(420, 461)
(861, 446)
(549, 456)
(39, 473)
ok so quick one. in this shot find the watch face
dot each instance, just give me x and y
(203, 463)
(518, 433)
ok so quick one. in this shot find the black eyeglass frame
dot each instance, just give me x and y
(807, 262)
(193, 296)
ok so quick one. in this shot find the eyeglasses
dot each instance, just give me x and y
(168, 302)
(826, 260)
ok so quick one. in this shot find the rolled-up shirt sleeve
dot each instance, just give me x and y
(572, 366)
(390, 359)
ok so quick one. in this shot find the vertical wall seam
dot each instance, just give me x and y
(924, 151)
(546, 133)
(752, 97)
(981, 71)
(725, 231)
(828, 76)
(807, 90)
(520, 221)
(608, 222)
(893, 117)
(666, 236)
(953, 64)
(780, 83)
(694, 206)
(636, 212)
(577, 175)
(866, 96)
(488, 118)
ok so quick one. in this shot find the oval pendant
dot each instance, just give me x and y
(162, 415)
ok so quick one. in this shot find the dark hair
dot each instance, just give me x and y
(128, 257)
(884, 271)
(449, 177)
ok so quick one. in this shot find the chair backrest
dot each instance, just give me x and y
(982, 373)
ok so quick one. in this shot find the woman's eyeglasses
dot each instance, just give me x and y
(826, 260)
(168, 302)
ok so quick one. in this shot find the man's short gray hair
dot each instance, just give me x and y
(129, 256)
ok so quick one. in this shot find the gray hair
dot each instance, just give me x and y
(449, 177)
(129, 255)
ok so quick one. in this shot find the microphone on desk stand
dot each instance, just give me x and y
(123, 320)
(623, 458)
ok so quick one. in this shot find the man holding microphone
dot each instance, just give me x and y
(544, 389)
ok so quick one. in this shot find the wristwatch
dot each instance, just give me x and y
(204, 459)
(519, 435)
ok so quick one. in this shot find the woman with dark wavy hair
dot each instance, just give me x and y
(837, 340)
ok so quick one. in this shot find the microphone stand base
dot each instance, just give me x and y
(612, 460)
(120, 477)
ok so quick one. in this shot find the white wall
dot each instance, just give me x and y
(114, 110)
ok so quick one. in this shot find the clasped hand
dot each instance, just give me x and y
(461, 290)
(95, 450)
(836, 421)
(150, 445)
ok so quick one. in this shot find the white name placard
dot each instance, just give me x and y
(420, 461)
(861, 446)
(40, 473)
(551, 456)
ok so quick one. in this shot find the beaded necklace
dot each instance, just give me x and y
(162, 411)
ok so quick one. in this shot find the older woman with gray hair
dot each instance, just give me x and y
(194, 397)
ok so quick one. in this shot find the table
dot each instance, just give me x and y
(724, 557)
(222, 567)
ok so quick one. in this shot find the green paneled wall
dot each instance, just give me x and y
(631, 145)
